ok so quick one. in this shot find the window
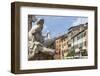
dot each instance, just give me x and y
(84, 34)
(81, 44)
(69, 45)
(76, 46)
(78, 37)
(81, 36)
(85, 44)
(75, 39)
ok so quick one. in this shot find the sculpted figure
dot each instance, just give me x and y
(36, 43)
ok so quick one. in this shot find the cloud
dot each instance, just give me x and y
(80, 21)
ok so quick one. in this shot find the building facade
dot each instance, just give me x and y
(80, 43)
(72, 44)
(61, 47)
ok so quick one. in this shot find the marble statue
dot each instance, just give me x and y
(37, 48)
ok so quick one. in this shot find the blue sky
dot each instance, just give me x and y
(60, 24)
